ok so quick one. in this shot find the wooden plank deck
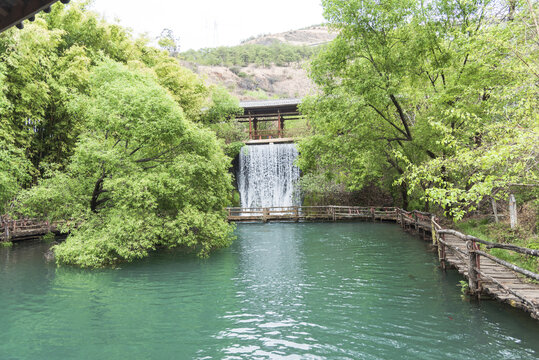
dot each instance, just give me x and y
(527, 292)
(494, 280)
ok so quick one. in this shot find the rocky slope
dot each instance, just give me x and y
(311, 36)
(254, 82)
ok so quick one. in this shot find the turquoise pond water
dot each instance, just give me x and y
(281, 291)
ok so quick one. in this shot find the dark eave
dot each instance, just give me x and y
(14, 12)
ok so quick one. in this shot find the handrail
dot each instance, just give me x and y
(489, 244)
(509, 265)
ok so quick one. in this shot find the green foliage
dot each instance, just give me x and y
(502, 233)
(44, 120)
(48, 237)
(141, 176)
(169, 42)
(15, 170)
(187, 88)
(6, 243)
(222, 107)
(419, 96)
(258, 94)
(233, 149)
(464, 286)
(277, 53)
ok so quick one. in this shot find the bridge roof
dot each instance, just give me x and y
(13, 12)
(270, 107)
(269, 103)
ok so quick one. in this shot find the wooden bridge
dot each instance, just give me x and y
(487, 275)
(311, 213)
(24, 229)
(272, 116)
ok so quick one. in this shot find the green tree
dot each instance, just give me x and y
(15, 170)
(169, 42)
(402, 84)
(222, 106)
(141, 176)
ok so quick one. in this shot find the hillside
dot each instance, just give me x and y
(267, 66)
(313, 35)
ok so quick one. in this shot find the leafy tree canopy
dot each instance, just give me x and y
(141, 176)
(47, 64)
(411, 89)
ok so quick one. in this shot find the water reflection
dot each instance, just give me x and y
(271, 287)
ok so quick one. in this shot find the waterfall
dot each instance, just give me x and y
(267, 175)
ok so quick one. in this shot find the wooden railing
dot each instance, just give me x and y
(11, 229)
(296, 213)
(468, 253)
(268, 134)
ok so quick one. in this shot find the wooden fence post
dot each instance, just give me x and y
(265, 214)
(296, 214)
(472, 263)
(433, 232)
(441, 253)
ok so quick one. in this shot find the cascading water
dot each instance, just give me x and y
(267, 175)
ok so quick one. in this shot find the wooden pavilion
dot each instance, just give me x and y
(267, 118)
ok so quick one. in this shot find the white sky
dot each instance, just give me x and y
(210, 23)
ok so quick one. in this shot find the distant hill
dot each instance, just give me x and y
(263, 67)
(310, 36)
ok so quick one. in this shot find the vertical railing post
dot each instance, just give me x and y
(472, 267)
(296, 214)
(250, 126)
(433, 232)
(333, 212)
(441, 253)
(6, 233)
(279, 123)
(372, 214)
(265, 214)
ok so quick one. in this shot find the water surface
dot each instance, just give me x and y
(282, 291)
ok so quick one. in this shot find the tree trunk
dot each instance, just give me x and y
(98, 189)
(494, 210)
(512, 7)
(404, 194)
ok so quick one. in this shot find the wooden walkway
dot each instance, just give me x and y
(488, 276)
(311, 213)
(24, 229)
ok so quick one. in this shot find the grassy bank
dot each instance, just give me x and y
(502, 233)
